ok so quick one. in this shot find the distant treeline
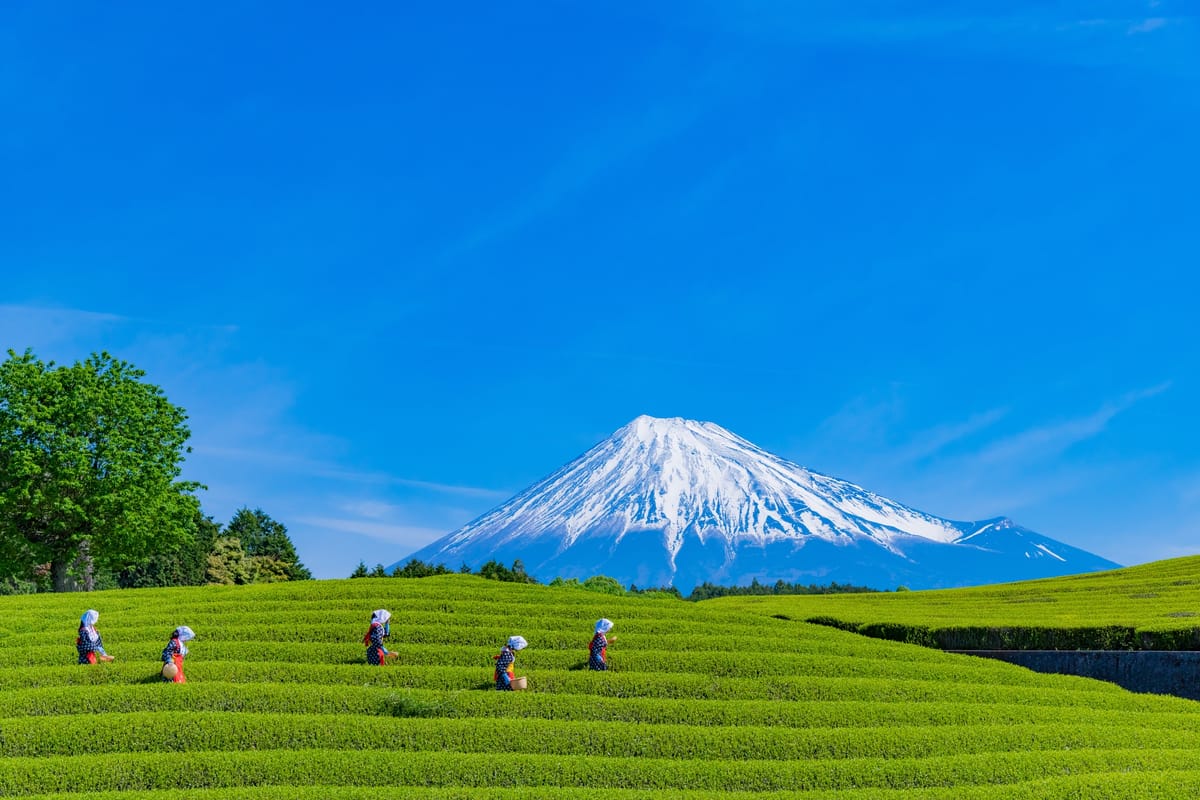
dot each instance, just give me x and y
(415, 568)
(494, 570)
(708, 590)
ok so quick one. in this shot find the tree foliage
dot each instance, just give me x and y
(266, 543)
(604, 585)
(227, 563)
(494, 570)
(416, 568)
(708, 590)
(185, 564)
(90, 459)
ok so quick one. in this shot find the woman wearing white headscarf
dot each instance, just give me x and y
(380, 629)
(504, 662)
(89, 644)
(598, 650)
(174, 652)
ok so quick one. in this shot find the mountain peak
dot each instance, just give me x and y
(647, 428)
(663, 493)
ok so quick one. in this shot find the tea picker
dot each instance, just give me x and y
(379, 630)
(173, 653)
(504, 665)
(598, 649)
(89, 645)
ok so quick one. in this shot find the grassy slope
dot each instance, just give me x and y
(1152, 606)
(705, 701)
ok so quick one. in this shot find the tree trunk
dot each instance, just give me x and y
(85, 561)
(58, 572)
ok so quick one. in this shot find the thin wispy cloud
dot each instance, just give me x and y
(372, 509)
(412, 537)
(1147, 25)
(34, 325)
(963, 490)
(608, 144)
(1048, 34)
(297, 465)
(934, 440)
(864, 419)
(963, 470)
(1052, 439)
(1188, 490)
(39, 327)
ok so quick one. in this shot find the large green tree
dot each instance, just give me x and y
(271, 552)
(227, 563)
(185, 564)
(90, 460)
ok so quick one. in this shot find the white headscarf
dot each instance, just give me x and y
(88, 623)
(517, 643)
(603, 625)
(381, 616)
(184, 634)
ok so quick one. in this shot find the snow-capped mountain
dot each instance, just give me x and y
(680, 502)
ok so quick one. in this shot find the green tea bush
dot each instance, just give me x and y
(709, 700)
(1148, 607)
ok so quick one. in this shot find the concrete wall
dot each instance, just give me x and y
(1174, 672)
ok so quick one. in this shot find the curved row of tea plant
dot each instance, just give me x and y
(1165, 785)
(1148, 607)
(704, 701)
(203, 769)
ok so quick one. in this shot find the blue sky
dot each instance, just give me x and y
(399, 263)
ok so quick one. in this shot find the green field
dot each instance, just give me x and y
(712, 700)
(1150, 607)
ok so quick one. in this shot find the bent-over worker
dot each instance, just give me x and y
(505, 661)
(174, 652)
(89, 645)
(598, 650)
(380, 629)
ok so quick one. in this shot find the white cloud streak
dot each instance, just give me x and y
(963, 469)
(1147, 26)
(299, 465)
(1051, 440)
(413, 537)
(932, 441)
(41, 327)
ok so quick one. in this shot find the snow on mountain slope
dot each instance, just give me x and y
(675, 500)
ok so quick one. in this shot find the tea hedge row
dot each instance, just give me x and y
(231, 731)
(1153, 606)
(933, 686)
(634, 634)
(424, 596)
(1167, 785)
(1141, 711)
(743, 664)
(148, 771)
(450, 639)
(450, 627)
(962, 637)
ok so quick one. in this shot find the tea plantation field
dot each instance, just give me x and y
(707, 700)
(1149, 607)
